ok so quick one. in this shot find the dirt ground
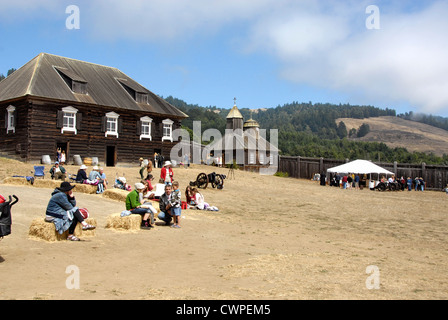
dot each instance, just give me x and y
(273, 239)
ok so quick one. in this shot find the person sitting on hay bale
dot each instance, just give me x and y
(64, 213)
(135, 207)
(58, 172)
(95, 179)
(81, 176)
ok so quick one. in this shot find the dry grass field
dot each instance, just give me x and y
(396, 132)
(273, 238)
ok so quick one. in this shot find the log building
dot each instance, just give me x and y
(83, 108)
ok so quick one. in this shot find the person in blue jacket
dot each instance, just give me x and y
(64, 213)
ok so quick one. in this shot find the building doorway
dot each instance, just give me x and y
(111, 156)
(62, 146)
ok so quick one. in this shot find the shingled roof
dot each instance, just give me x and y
(46, 76)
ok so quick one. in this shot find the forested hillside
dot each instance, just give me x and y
(311, 130)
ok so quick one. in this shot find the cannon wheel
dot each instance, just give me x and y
(381, 186)
(202, 181)
(218, 181)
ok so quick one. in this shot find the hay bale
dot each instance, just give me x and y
(16, 181)
(84, 188)
(116, 194)
(128, 223)
(47, 183)
(40, 229)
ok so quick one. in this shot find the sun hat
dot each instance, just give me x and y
(83, 166)
(167, 163)
(95, 168)
(139, 186)
(65, 186)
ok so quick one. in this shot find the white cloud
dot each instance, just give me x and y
(406, 60)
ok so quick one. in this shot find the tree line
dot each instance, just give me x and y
(311, 130)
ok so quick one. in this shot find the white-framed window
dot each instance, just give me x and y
(11, 119)
(251, 157)
(167, 130)
(261, 157)
(145, 128)
(112, 124)
(69, 120)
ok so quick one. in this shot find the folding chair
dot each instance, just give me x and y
(39, 171)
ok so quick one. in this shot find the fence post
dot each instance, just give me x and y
(298, 167)
(395, 169)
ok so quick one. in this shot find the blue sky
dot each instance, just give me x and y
(263, 52)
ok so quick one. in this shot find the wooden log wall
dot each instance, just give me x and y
(435, 176)
(37, 134)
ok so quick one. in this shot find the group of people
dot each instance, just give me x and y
(61, 156)
(347, 181)
(96, 177)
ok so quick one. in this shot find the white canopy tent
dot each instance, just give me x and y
(361, 167)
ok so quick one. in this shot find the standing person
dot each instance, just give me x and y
(148, 167)
(63, 158)
(338, 180)
(156, 160)
(165, 206)
(167, 174)
(409, 183)
(323, 178)
(63, 212)
(142, 167)
(344, 182)
(133, 204)
(58, 155)
(175, 204)
(161, 158)
(357, 182)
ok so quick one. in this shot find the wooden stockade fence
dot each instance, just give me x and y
(435, 176)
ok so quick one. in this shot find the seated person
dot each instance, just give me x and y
(133, 205)
(104, 178)
(164, 206)
(64, 213)
(58, 172)
(81, 176)
(95, 179)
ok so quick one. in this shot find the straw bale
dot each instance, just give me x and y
(116, 194)
(16, 181)
(128, 223)
(40, 229)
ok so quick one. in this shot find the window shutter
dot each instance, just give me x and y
(139, 128)
(60, 121)
(15, 118)
(103, 124)
(120, 125)
(153, 130)
(78, 121)
(6, 119)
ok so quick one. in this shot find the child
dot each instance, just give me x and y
(175, 203)
(190, 196)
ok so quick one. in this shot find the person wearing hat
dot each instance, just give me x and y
(95, 178)
(58, 172)
(81, 176)
(134, 205)
(63, 212)
(166, 174)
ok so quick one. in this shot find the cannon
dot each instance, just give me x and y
(203, 179)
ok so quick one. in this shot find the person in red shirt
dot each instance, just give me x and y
(166, 174)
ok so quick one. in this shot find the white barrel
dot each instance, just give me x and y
(94, 161)
(46, 159)
(77, 160)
